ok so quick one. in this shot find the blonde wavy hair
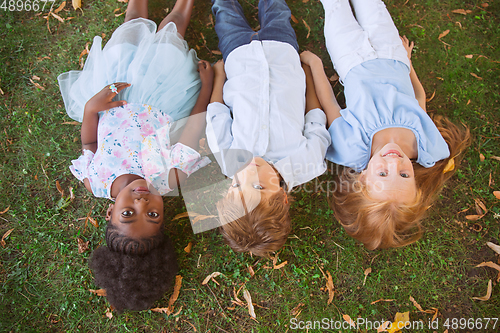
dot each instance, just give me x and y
(384, 224)
(260, 230)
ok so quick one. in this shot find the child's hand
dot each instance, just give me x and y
(408, 46)
(103, 100)
(206, 72)
(307, 57)
(219, 70)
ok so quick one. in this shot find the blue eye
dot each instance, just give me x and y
(257, 187)
(405, 175)
(382, 174)
(127, 213)
(235, 185)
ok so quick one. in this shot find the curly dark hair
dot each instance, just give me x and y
(134, 281)
(123, 244)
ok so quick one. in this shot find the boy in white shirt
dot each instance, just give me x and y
(260, 109)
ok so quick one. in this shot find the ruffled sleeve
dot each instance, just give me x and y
(80, 166)
(187, 159)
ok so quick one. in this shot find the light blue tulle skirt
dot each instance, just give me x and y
(159, 66)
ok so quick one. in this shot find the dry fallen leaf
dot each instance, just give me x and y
(496, 194)
(61, 7)
(281, 265)
(124, 1)
(37, 85)
(367, 271)
(160, 310)
(57, 17)
(294, 19)
(473, 217)
(109, 312)
(216, 52)
(7, 209)
(444, 33)
(59, 188)
(449, 166)
(202, 217)
(248, 298)
(93, 222)
(481, 157)
(76, 4)
(383, 327)
(175, 295)
(495, 158)
(185, 214)
(98, 292)
(488, 293)
(347, 318)
(469, 56)
(5, 235)
(187, 249)
(489, 264)
(330, 287)
(71, 194)
(494, 247)
(297, 310)
(462, 11)
(476, 76)
(251, 271)
(211, 277)
(334, 77)
(432, 96)
(82, 246)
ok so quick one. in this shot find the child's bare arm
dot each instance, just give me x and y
(219, 79)
(418, 88)
(312, 101)
(100, 102)
(197, 120)
(322, 86)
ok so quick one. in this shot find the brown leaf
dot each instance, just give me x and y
(187, 249)
(202, 217)
(71, 123)
(496, 194)
(473, 217)
(7, 209)
(382, 300)
(367, 271)
(294, 19)
(82, 246)
(248, 298)
(330, 287)
(430, 98)
(216, 52)
(488, 293)
(61, 7)
(109, 312)
(37, 85)
(59, 18)
(495, 158)
(494, 247)
(347, 318)
(307, 27)
(444, 33)
(476, 76)
(469, 56)
(462, 11)
(297, 310)
(98, 292)
(489, 264)
(71, 194)
(76, 4)
(160, 310)
(420, 308)
(185, 214)
(93, 222)
(34, 77)
(175, 295)
(5, 235)
(305, 1)
(280, 265)
(59, 188)
(481, 157)
(480, 207)
(124, 1)
(334, 77)
(211, 277)
(251, 271)
(484, 4)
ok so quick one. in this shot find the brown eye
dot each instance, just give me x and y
(153, 214)
(127, 213)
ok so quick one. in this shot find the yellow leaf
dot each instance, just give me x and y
(400, 320)
(347, 318)
(449, 166)
(76, 4)
(488, 293)
(187, 249)
(248, 298)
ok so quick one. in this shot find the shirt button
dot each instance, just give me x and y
(264, 127)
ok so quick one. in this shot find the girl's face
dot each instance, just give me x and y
(137, 213)
(390, 175)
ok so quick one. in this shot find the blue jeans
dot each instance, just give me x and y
(233, 29)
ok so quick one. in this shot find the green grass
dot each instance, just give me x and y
(45, 281)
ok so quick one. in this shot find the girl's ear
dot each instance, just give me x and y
(362, 177)
(109, 212)
(285, 196)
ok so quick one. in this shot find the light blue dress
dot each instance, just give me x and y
(159, 66)
(379, 95)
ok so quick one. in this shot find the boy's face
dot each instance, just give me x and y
(137, 213)
(257, 180)
(390, 175)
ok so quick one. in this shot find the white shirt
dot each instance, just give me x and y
(265, 91)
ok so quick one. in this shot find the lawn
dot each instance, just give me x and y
(45, 280)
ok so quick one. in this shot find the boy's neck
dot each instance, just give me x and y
(122, 181)
(398, 135)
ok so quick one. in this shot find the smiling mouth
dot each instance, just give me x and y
(392, 153)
